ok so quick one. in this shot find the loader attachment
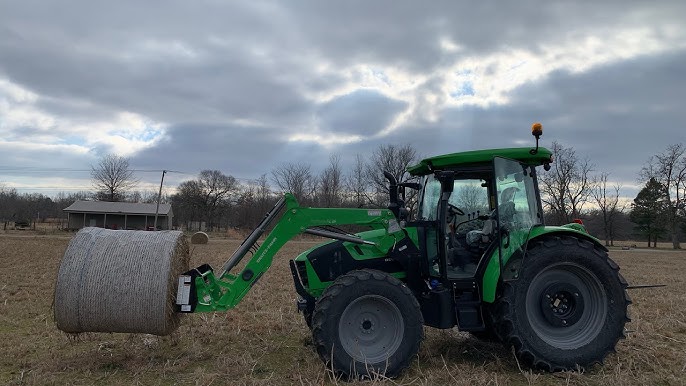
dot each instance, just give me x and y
(186, 293)
(201, 290)
(251, 240)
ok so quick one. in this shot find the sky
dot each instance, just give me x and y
(244, 87)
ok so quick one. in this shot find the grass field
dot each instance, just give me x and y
(265, 341)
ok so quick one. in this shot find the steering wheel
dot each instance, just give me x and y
(454, 211)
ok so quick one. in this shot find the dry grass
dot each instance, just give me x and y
(265, 341)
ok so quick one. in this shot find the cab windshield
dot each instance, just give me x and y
(469, 195)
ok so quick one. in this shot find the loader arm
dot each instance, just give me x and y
(200, 290)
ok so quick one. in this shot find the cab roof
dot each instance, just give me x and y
(449, 161)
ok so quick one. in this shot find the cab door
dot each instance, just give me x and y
(518, 210)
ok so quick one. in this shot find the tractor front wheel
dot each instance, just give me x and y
(367, 323)
(568, 307)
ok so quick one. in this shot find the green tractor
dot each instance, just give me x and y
(476, 256)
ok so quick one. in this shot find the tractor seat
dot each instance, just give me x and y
(478, 237)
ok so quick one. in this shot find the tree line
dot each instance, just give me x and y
(221, 201)
(572, 189)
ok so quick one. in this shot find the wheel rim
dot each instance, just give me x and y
(371, 329)
(566, 305)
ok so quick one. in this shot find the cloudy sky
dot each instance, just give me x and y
(244, 86)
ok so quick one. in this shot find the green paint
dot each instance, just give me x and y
(225, 292)
(446, 161)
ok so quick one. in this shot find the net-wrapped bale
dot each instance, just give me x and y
(120, 281)
(200, 238)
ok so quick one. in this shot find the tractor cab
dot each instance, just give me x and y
(475, 212)
(470, 208)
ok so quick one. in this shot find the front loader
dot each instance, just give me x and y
(476, 256)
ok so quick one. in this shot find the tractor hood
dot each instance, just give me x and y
(320, 265)
(376, 235)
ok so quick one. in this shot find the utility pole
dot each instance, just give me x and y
(159, 198)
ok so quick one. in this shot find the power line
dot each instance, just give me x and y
(50, 187)
(50, 170)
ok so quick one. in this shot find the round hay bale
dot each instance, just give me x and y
(200, 238)
(120, 281)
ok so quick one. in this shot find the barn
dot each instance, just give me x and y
(118, 215)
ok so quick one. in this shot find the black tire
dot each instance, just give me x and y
(367, 323)
(568, 307)
(307, 315)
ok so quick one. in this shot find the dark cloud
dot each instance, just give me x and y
(216, 61)
(361, 112)
(233, 81)
(408, 34)
(616, 115)
(242, 151)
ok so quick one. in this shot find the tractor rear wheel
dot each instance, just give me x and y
(568, 307)
(367, 323)
(307, 315)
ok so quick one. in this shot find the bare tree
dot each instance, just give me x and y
(9, 200)
(263, 196)
(254, 202)
(295, 178)
(472, 199)
(331, 183)
(112, 177)
(395, 160)
(246, 212)
(208, 197)
(147, 196)
(669, 169)
(566, 187)
(356, 183)
(188, 203)
(218, 193)
(607, 200)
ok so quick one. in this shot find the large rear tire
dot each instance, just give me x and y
(367, 323)
(568, 307)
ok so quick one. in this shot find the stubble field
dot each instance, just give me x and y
(265, 341)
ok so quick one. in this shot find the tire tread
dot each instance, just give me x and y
(503, 308)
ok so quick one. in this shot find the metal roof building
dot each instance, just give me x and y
(118, 215)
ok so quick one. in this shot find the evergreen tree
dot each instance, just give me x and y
(648, 211)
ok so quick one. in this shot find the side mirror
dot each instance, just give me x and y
(394, 205)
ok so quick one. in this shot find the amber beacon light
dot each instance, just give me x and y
(536, 131)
